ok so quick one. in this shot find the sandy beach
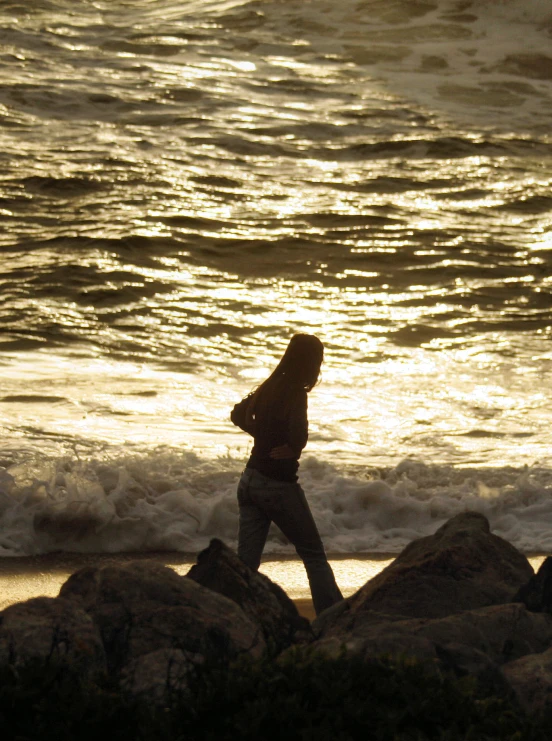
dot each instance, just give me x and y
(22, 578)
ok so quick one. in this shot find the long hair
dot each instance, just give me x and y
(299, 368)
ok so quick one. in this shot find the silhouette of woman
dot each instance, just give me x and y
(275, 415)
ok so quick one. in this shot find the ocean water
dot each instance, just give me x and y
(185, 185)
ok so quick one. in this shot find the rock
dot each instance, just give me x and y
(501, 632)
(143, 607)
(470, 642)
(463, 566)
(537, 593)
(531, 679)
(452, 658)
(465, 661)
(265, 603)
(158, 674)
(381, 642)
(45, 628)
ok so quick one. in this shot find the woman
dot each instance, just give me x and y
(276, 417)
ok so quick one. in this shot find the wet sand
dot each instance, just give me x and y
(305, 608)
(32, 576)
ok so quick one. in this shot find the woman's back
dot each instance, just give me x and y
(275, 417)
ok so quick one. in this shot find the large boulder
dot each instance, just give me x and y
(531, 679)
(157, 675)
(463, 566)
(46, 629)
(474, 642)
(143, 607)
(501, 632)
(265, 603)
(537, 593)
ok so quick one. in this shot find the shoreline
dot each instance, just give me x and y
(25, 577)
(178, 556)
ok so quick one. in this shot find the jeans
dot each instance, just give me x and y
(263, 500)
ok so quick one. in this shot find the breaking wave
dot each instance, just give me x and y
(171, 501)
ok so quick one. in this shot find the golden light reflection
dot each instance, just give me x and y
(289, 138)
(543, 244)
(31, 579)
(241, 65)
(350, 573)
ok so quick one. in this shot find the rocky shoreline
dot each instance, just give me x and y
(463, 602)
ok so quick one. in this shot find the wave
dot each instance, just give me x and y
(469, 60)
(174, 501)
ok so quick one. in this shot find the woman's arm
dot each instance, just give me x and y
(298, 429)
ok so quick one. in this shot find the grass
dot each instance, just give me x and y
(300, 697)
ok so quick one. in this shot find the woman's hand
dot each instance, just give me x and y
(282, 452)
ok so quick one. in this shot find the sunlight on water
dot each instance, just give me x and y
(184, 186)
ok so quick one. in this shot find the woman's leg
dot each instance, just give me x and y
(253, 525)
(286, 505)
(299, 527)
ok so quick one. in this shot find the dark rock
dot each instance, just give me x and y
(143, 607)
(398, 642)
(265, 603)
(501, 632)
(158, 674)
(463, 566)
(536, 595)
(531, 679)
(380, 642)
(51, 629)
(334, 614)
(465, 660)
(345, 623)
(470, 642)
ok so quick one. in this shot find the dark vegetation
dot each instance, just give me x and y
(300, 696)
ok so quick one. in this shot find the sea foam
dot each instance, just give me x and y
(167, 501)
